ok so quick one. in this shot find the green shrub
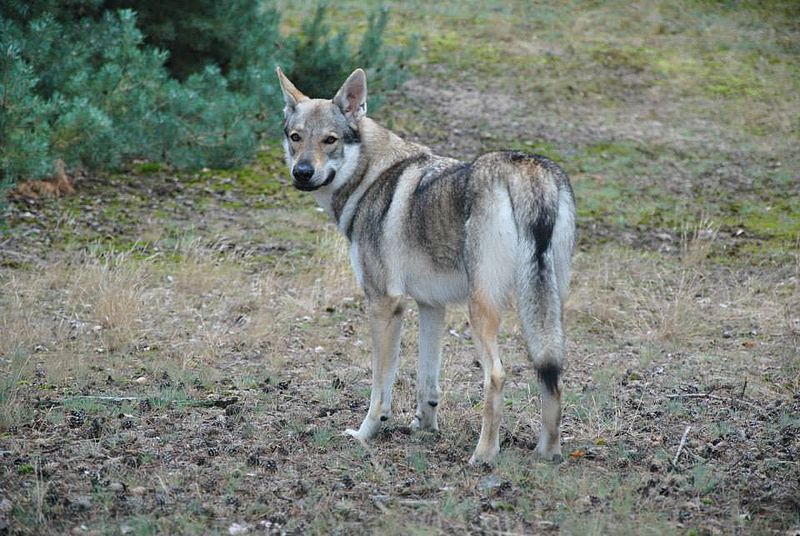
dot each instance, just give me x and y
(191, 84)
(24, 139)
(198, 33)
(323, 60)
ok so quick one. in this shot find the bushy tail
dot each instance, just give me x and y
(544, 211)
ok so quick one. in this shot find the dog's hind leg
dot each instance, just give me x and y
(485, 321)
(386, 315)
(539, 303)
(431, 325)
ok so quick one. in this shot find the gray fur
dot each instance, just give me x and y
(441, 231)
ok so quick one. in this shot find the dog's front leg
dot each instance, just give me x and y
(386, 314)
(431, 325)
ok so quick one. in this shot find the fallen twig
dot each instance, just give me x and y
(417, 502)
(377, 500)
(380, 502)
(716, 397)
(213, 403)
(210, 403)
(682, 444)
(694, 455)
(17, 254)
(101, 398)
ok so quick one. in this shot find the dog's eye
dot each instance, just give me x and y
(295, 137)
(329, 140)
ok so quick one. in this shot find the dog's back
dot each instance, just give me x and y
(428, 224)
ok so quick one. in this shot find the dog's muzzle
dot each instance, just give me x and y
(303, 173)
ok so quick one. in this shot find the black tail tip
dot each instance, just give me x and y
(548, 374)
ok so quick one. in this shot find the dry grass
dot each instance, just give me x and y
(696, 242)
(326, 280)
(245, 332)
(109, 295)
(629, 295)
(194, 299)
(19, 316)
(637, 296)
(46, 308)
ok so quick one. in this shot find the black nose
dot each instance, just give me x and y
(303, 171)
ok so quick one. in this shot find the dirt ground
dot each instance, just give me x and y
(180, 353)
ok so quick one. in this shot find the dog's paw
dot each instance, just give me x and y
(554, 458)
(552, 454)
(355, 434)
(418, 425)
(368, 430)
(484, 456)
(473, 460)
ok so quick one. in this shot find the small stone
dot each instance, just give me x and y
(584, 503)
(233, 409)
(489, 482)
(141, 379)
(82, 502)
(238, 528)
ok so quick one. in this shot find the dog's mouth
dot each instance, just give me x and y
(305, 187)
(308, 187)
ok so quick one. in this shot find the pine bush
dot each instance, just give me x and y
(191, 84)
(323, 59)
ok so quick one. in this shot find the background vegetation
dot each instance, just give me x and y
(191, 84)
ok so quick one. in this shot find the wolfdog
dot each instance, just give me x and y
(440, 231)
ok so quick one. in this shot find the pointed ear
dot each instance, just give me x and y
(291, 94)
(352, 96)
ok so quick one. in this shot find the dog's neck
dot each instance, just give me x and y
(381, 148)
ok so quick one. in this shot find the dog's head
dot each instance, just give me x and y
(318, 132)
